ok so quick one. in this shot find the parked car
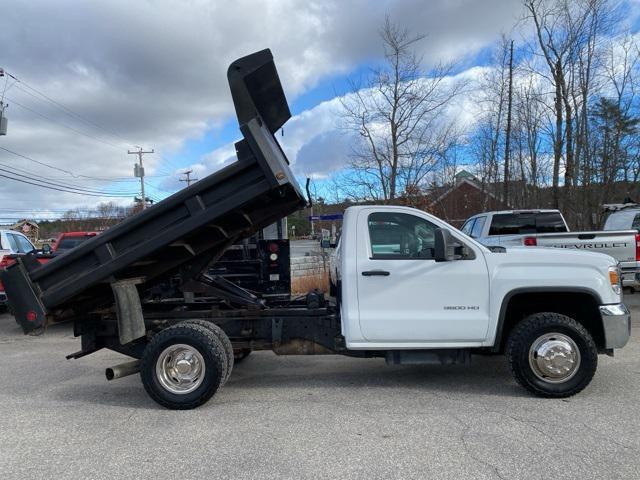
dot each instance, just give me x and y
(548, 228)
(13, 244)
(68, 240)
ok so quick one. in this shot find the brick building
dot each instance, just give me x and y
(466, 198)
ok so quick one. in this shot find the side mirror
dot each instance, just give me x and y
(447, 247)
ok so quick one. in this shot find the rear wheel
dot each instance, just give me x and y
(182, 366)
(552, 355)
(224, 340)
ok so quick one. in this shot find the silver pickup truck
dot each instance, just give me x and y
(548, 228)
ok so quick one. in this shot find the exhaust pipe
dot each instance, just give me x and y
(122, 370)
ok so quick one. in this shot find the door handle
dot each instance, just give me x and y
(375, 273)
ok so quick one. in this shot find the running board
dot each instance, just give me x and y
(428, 357)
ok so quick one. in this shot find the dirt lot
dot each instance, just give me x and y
(311, 417)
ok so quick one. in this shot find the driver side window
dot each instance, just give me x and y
(400, 236)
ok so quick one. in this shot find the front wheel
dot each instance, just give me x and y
(183, 366)
(552, 355)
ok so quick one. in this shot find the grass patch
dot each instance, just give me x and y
(317, 281)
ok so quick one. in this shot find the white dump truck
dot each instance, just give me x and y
(413, 290)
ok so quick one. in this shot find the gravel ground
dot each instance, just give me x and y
(311, 417)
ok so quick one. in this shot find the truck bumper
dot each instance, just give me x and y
(616, 322)
(630, 274)
(630, 279)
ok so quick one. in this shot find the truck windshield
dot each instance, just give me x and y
(624, 220)
(527, 223)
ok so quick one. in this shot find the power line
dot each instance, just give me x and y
(61, 187)
(80, 132)
(69, 188)
(47, 178)
(54, 188)
(70, 112)
(35, 93)
(40, 178)
(171, 164)
(45, 211)
(161, 189)
(19, 84)
(39, 162)
(58, 168)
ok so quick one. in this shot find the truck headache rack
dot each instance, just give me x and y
(190, 228)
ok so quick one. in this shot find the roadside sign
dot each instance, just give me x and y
(333, 216)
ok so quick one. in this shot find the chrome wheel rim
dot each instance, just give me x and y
(180, 369)
(554, 357)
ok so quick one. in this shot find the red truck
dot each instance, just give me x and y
(14, 244)
(68, 240)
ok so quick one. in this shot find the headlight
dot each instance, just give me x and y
(615, 279)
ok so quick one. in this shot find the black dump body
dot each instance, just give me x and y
(186, 231)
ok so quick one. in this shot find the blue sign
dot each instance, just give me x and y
(334, 216)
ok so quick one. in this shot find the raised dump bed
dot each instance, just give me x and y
(187, 230)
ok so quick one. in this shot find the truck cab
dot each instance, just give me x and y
(398, 291)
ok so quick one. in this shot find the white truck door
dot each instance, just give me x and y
(404, 295)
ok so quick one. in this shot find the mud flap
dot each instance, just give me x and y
(129, 310)
(29, 311)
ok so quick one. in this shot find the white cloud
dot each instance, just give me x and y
(317, 145)
(154, 73)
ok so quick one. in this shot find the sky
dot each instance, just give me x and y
(96, 79)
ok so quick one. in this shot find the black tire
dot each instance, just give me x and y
(240, 355)
(224, 340)
(532, 328)
(211, 351)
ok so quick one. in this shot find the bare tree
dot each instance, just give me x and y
(493, 137)
(399, 117)
(555, 39)
(530, 117)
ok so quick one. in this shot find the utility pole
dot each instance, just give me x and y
(188, 180)
(507, 139)
(3, 119)
(138, 171)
